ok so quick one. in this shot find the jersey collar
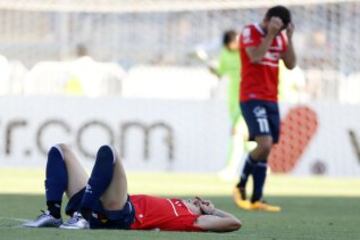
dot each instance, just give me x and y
(258, 27)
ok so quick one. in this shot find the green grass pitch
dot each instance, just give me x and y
(313, 208)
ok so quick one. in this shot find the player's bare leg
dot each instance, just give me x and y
(77, 176)
(263, 148)
(76, 182)
(106, 183)
(105, 202)
(115, 196)
(63, 174)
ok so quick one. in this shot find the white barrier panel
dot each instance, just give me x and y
(150, 134)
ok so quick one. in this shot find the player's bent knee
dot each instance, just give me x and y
(57, 148)
(265, 148)
(262, 153)
(62, 146)
(107, 150)
(265, 151)
(65, 150)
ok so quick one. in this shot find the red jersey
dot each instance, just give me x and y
(260, 80)
(162, 213)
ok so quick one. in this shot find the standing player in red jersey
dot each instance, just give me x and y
(261, 47)
(102, 201)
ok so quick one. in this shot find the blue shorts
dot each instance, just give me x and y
(102, 218)
(262, 118)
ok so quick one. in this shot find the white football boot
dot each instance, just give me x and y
(44, 220)
(77, 221)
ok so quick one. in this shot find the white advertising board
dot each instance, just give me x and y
(149, 134)
(159, 135)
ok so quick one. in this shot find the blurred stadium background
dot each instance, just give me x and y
(128, 73)
(157, 39)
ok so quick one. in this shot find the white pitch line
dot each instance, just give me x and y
(15, 219)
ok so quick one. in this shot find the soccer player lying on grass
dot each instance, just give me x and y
(102, 201)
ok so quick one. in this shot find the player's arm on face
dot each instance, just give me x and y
(289, 57)
(216, 220)
(257, 53)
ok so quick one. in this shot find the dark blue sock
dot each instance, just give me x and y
(56, 180)
(247, 170)
(100, 179)
(259, 176)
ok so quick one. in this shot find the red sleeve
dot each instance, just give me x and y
(249, 37)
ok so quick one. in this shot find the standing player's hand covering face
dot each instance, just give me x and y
(290, 30)
(275, 26)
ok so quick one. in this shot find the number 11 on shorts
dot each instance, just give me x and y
(263, 124)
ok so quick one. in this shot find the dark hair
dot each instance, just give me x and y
(281, 12)
(228, 37)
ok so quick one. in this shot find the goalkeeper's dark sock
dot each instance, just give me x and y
(100, 179)
(259, 176)
(247, 170)
(56, 180)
